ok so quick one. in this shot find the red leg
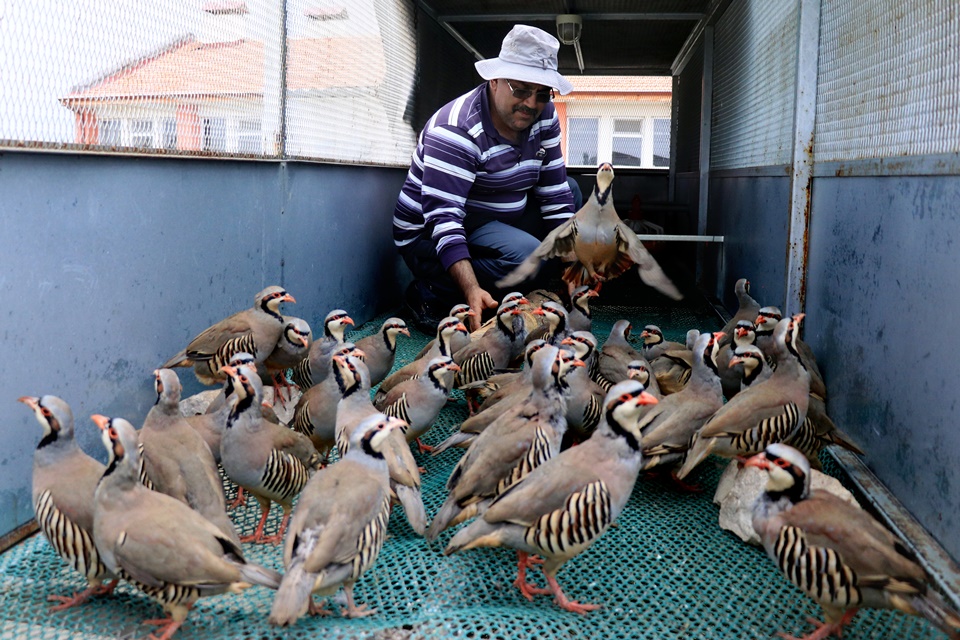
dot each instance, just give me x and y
(316, 610)
(825, 629)
(424, 448)
(354, 611)
(81, 596)
(684, 486)
(526, 561)
(569, 605)
(278, 536)
(239, 501)
(166, 626)
(257, 536)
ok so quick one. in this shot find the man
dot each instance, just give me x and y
(460, 221)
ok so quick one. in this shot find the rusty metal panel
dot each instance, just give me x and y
(754, 84)
(889, 80)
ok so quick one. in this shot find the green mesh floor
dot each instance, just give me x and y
(666, 570)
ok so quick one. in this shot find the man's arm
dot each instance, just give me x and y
(556, 200)
(477, 297)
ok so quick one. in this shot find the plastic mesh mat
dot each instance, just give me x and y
(665, 571)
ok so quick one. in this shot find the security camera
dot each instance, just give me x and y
(569, 26)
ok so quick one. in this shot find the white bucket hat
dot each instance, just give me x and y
(528, 54)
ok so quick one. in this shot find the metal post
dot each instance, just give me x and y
(706, 113)
(801, 184)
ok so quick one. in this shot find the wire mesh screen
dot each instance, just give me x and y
(667, 571)
(224, 78)
(754, 84)
(889, 79)
(620, 119)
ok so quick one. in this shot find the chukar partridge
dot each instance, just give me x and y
(768, 411)
(584, 395)
(562, 507)
(495, 349)
(315, 367)
(580, 316)
(447, 329)
(270, 461)
(418, 401)
(556, 326)
(177, 460)
(354, 406)
(512, 446)
(655, 345)
(747, 309)
(616, 354)
(836, 553)
(64, 482)
(338, 527)
(255, 331)
(380, 349)
(459, 340)
(602, 246)
(157, 543)
(731, 377)
(292, 347)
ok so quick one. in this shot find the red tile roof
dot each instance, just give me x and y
(621, 84)
(191, 68)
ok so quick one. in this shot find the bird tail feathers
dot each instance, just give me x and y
(478, 533)
(458, 439)
(412, 503)
(526, 269)
(262, 576)
(932, 607)
(179, 360)
(293, 597)
(441, 521)
(698, 451)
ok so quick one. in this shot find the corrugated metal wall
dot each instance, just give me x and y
(754, 80)
(883, 224)
(110, 265)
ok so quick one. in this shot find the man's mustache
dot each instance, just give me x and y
(527, 110)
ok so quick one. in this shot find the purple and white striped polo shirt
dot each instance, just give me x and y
(463, 166)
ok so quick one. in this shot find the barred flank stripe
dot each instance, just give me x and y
(592, 414)
(805, 439)
(167, 593)
(302, 375)
(231, 348)
(400, 409)
(142, 470)
(539, 452)
(283, 476)
(478, 367)
(603, 382)
(773, 429)
(301, 420)
(371, 540)
(71, 543)
(818, 571)
(584, 517)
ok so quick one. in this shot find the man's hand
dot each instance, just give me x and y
(477, 297)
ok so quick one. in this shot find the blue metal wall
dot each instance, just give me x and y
(882, 299)
(109, 265)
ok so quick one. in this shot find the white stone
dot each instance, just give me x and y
(739, 489)
(198, 403)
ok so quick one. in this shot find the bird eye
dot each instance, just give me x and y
(243, 379)
(112, 432)
(781, 462)
(46, 412)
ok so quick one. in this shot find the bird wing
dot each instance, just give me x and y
(205, 345)
(559, 242)
(864, 544)
(649, 268)
(163, 540)
(544, 490)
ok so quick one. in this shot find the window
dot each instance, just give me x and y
(215, 134)
(110, 133)
(628, 143)
(249, 139)
(582, 137)
(141, 133)
(661, 142)
(168, 133)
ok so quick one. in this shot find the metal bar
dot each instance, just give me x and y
(428, 10)
(932, 557)
(667, 237)
(706, 114)
(805, 111)
(550, 17)
(690, 44)
(941, 164)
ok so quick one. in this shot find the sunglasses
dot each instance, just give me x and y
(543, 95)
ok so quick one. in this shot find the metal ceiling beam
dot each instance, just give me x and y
(550, 17)
(686, 51)
(428, 10)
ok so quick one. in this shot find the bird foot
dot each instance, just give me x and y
(424, 448)
(685, 486)
(422, 470)
(259, 538)
(574, 606)
(81, 596)
(824, 630)
(527, 589)
(240, 501)
(167, 627)
(316, 610)
(531, 561)
(358, 611)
